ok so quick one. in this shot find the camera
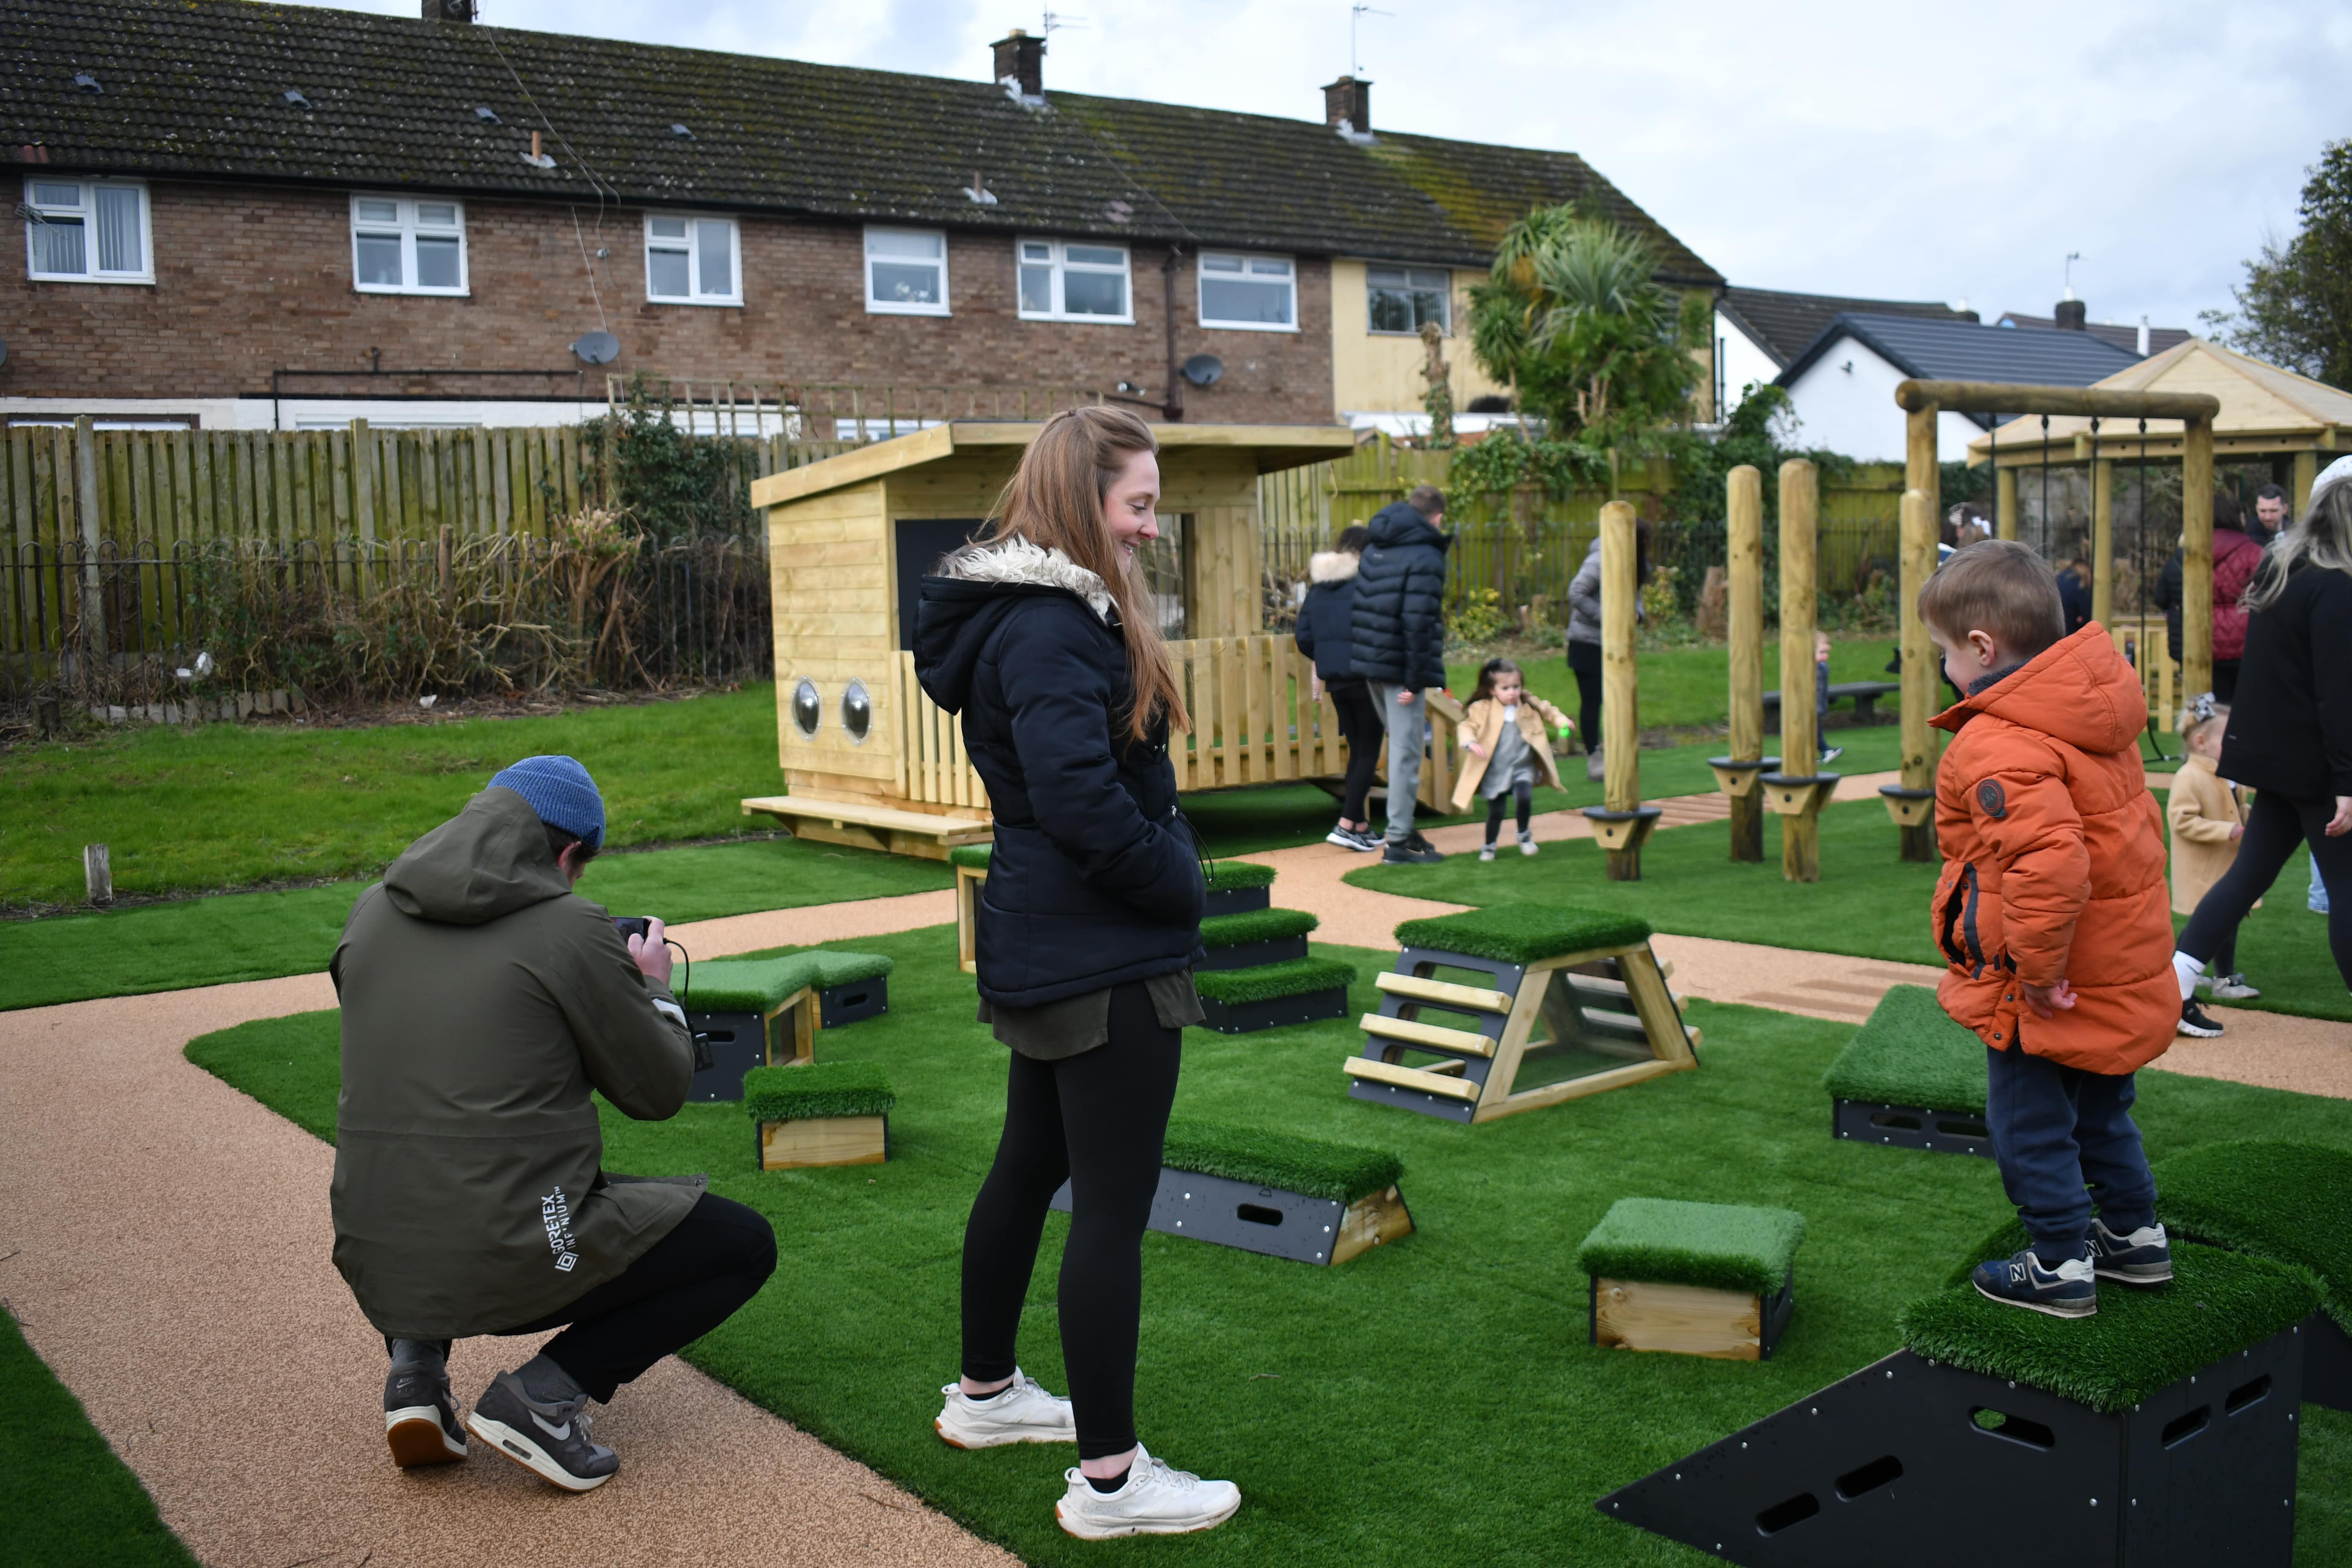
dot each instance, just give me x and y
(634, 925)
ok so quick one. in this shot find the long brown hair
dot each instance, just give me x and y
(1055, 501)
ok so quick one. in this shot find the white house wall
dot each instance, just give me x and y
(1743, 359)
(1845, 402)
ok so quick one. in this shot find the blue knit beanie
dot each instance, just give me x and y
(560, 791)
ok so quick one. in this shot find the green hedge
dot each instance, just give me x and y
(1226, 875)
(974, 855)
(2143, 1339)
(1911, 1053)
(1721, 1246)
(1523, 933)
(818, 1089)
(1255, 925)
(2291, 1202)
(1341, 1171)
(756, 984)
(1292, 977)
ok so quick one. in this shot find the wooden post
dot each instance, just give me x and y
(1620, 714)
(2197, 559)
(1744, 606)
(2004, 504)
(2103, 541)
(1800, 845)
(97, 874)
(2298, 491)
(1920, 471)
(1911, 805)
(93, 596)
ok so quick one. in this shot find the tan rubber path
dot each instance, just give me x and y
(166, 1249)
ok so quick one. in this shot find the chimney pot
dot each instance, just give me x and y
(1348, 102)
(2073, 315)
(1021, 62)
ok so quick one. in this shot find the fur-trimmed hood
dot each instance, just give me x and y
(1332, 565)
(1025, 563)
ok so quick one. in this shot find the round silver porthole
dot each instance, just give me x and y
(808, 709)
(857, 711)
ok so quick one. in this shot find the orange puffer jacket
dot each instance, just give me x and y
(2053, 862)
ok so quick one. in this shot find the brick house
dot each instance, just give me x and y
(247, 215)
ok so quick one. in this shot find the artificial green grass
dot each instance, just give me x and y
(756, 984)
(1292, 977)
(292, 1065)
(1911, 1053)
(1719, 1246)
(1255, 925)
(1682, 687)
(1263, 1370)
(817, 1090)
(1262, 1158)
(1230, 875)
(66, 1501)
(2143, 1339)
(972, 856)
(2284, 1201)
(1523, 933)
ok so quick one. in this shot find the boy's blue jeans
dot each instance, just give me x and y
(2057, 1130)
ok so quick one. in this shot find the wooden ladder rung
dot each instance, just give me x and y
(1600, 985)
(1472, 997)
(1601, 1018)
(1429, 1037)
(1410, 1078)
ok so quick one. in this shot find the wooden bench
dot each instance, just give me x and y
(869, 824)
(1864, 695)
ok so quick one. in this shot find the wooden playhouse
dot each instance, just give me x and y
(868, 760)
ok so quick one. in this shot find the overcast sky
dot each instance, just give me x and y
(1942, 152)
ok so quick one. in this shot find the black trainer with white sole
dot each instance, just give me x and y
(549, 1438)
(2195, 1023)
(420, 1419)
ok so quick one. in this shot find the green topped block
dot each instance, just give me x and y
(1257, 925)
(974, 856)
(835, 967)
(1718, 1247)
(1339, 1172)
(2144, 1339)
(821, 1090)
(2284, 1201)
(1226, 875)
(1293, 977)
(758, 984)
(1910, 1053)
(1523, 933)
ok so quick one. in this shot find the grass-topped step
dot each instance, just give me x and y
(970, 857)
(829, 1113)
(1523, 934)
(1341, 1171)
(1910, 1077)
(1256, 937)
(1236, 887)
(1710, 1279)
(849, 986)
(1272, 996)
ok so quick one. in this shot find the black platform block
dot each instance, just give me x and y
(1443, 1106)
(854, 1002)
(1275, 1011)
(1214, 1209)
(1910, 1463)
(1911, 1127)
(1238, 901)
(2327, 1362)
(1250, 954)
(737, 1043)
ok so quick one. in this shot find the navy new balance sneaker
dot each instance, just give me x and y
(2143, 1257)
(2069, 1290)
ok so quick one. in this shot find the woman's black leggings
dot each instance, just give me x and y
(1524, 792)
(1097, 1119)
(1588, 696)
(2273, 828)
(1360, 724)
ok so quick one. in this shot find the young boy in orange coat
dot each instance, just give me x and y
(2051, 913)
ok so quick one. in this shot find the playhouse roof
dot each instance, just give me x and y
(1273, 446)
(2263, 409)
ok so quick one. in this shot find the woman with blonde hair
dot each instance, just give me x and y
(1043, 637)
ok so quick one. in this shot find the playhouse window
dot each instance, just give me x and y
(808, 709)
(404, 247)
(907, 272)
(857, 711)
(87, 231)
(1070, 280)
(693, 260)
(1257, 293)
(1402, 299)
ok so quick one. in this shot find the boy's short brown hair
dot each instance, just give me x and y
(1427, 499)
(2001, 587)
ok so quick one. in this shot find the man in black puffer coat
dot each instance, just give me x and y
(1398, 645)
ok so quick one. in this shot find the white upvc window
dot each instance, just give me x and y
(408, 245)
(1402, 299)
(1075, 280)
(693, 260)
(907, 272)
(1250, 293)
(87, 231)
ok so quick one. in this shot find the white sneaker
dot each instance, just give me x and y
(1485, 852)
(1526, 844)
(1155, 1500)
(1023, 1413)
(2233, 988)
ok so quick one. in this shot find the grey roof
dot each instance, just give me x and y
(2159, 338)
(195, 88)
(1964, 350)
(1784, 325)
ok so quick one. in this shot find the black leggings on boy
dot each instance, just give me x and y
(2275, 825)
(1098, 1120)
(1521, 791)
(1359, 723)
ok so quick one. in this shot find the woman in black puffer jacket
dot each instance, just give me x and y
(1043, 639)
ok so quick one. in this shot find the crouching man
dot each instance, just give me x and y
(482, 1000)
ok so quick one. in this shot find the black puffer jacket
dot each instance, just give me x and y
(2291, 727)
(1327, 618)
(1094, 879)
(1399, 619)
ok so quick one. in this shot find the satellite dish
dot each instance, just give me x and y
(1204, 369)
(597, 347)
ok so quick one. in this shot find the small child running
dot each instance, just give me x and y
(2049, 912)
(1503, 730)
(2208, 814)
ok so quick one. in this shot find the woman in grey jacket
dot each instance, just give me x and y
(1585, 639)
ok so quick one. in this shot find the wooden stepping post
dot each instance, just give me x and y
(1737, 774)
(837, 1114)
(1704, 1279)
(1622, 822)
(1912, 802)
(1795, 793)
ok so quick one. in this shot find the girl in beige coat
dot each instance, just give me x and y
(2208, 814)
(1503, 730)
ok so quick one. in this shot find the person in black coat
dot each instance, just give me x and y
(1397, 644)
(2075, 595)
(2290, 736)
(1045, 641)
(1326, 620)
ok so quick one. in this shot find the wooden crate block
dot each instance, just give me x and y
(1687, 1319)
(825, 1140)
